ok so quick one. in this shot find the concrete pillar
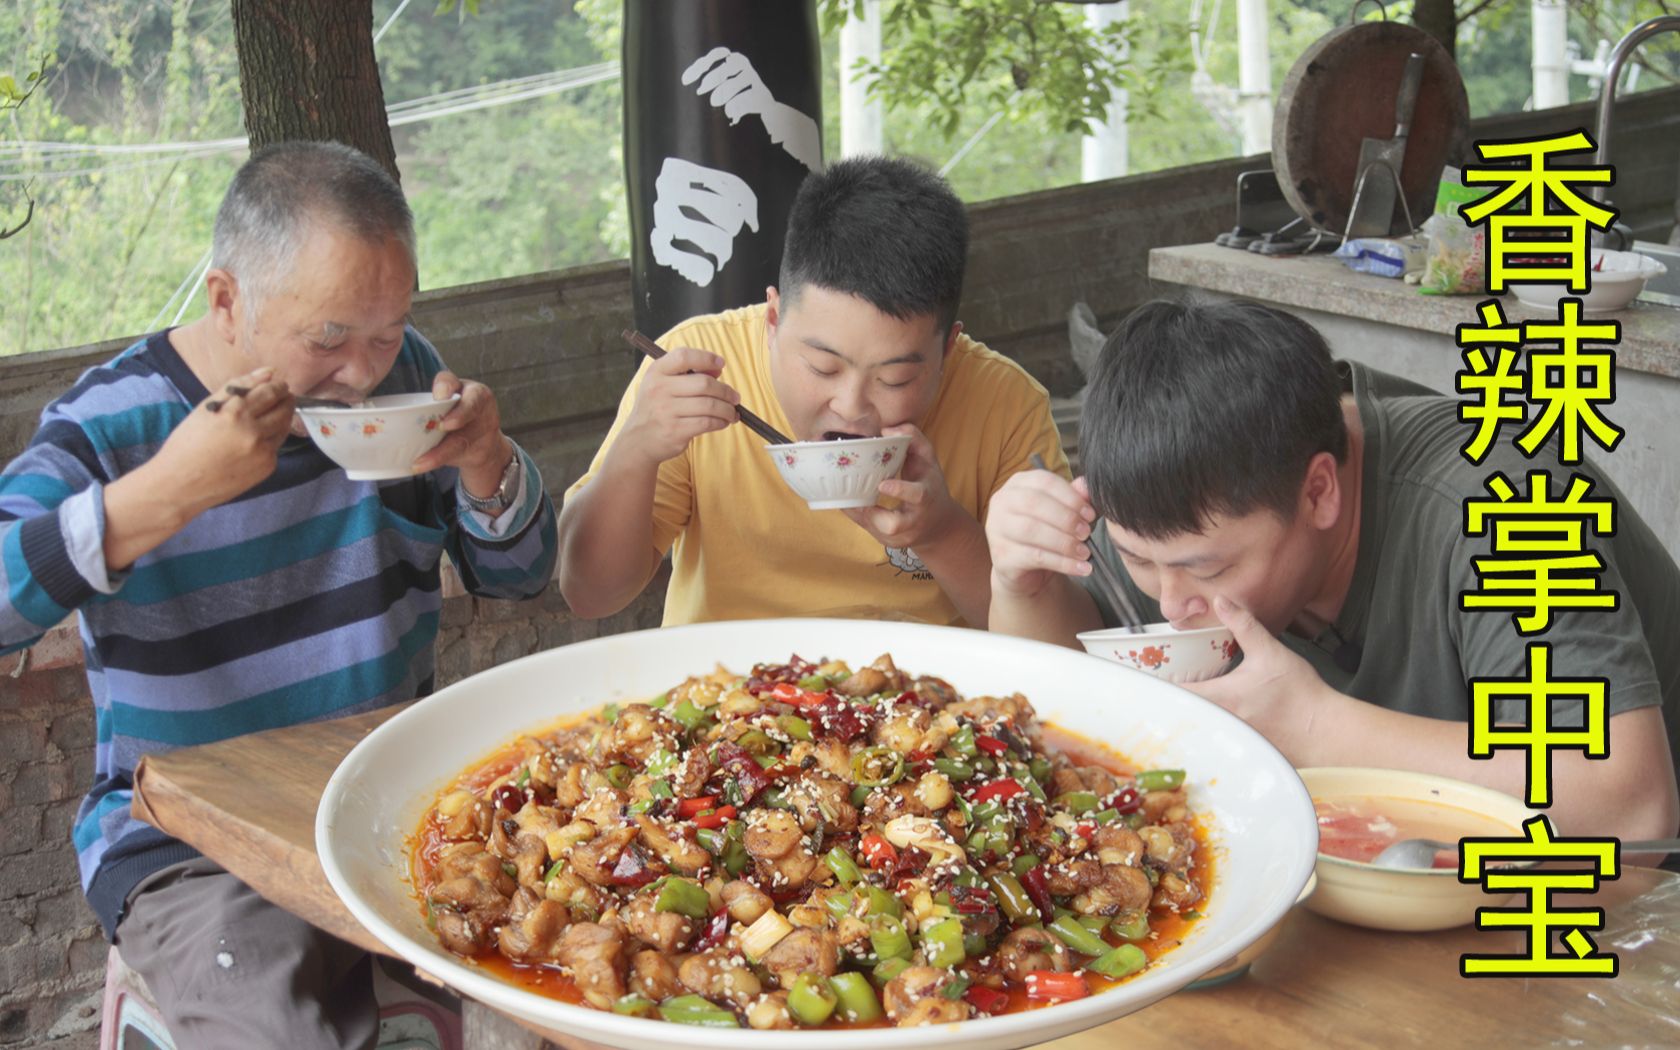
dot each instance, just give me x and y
(1103, 154)
(861, 123)
(1254, 76)
(1550, 28)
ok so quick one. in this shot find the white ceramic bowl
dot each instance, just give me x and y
(1162, 650)
(380, 438)
(1405, 899)
(1258, 815)
(829, 475)
(1617, 280)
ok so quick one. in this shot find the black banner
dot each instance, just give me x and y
(722, 121)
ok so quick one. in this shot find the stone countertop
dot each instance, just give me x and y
(1650, 333)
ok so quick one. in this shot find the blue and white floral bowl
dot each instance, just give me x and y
(830, 475)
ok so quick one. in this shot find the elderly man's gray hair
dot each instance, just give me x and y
(286, 188)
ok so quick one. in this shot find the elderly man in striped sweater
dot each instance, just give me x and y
(231, 579)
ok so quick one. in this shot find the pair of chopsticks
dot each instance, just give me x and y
(1106, 580)
(215, 405)
(753, 423)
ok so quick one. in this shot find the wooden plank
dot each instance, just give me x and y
(249, 804)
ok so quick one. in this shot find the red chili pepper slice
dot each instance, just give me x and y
(716, 930)
(991, 745)
(986, 1000)
(1001, 790)
(1050, 986)
(1127, 800)
(877, 851)
(714, 818)
(688, 807)
(1039, 890)
(1086, 830)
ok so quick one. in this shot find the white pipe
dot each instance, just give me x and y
(1254, 76)
(1550, 21)
(1105, 152)
(861, 123)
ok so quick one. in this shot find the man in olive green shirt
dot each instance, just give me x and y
(1236, 474)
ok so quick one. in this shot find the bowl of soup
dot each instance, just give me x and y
(842, 472)
(380, 438)
(1362, 811)
(1164, 651)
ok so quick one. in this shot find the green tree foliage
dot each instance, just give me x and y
(538, 184)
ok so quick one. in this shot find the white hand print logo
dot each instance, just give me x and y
(703, 207)
(729, 78)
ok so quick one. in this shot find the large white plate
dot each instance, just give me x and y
(1261, 819)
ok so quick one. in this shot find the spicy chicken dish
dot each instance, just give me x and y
(806, 846)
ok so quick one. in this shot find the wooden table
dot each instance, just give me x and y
(249, 804)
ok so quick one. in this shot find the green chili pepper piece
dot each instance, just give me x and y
(1078, 801)
(942, 943)
(812, 999)
(1013, 898)
(860, 795)
(1077, 937)
(890, 941)
(857, 998)
(954, 768)
(844, 867)
(756, 742)
(962, 742)
(1119, 962)
(619, 776)
(814, 683)
(696, 1010)
(877, 767)
(1160, 779)
(886, 971)
(1040, 768)
(634, 1005)
(794, 726)
(685, 898)
(1133, 927)
(1024, 863)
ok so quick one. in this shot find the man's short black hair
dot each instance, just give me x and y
(1203, 408)
(886, 230)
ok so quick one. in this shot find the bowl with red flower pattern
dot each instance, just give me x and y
(379, 438)
(830, 475)
(1162, 650)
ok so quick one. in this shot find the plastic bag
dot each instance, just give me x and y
(1382, 256)
(1457, 259)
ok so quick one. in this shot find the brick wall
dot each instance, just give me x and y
(548, 344)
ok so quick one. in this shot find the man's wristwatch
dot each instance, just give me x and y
(506, 490)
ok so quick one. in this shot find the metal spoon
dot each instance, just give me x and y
(1420, 853)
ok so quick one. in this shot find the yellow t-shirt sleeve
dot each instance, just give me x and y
(1027, 404)
(673, 494)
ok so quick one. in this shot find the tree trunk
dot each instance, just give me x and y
(307, 71)
(1439, 19)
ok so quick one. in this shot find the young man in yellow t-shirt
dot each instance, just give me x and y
(859, 338)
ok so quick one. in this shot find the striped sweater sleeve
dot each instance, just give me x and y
(52, 532)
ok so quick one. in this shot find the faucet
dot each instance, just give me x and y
(1619, 55)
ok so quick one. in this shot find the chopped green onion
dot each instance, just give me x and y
(1160, 779)
(554, 869)
(956, 986)
(610, 712)
(660, 789)
(637, 808)
(1077, 937)
(1119, 962)
(660, 763)
(684, 898)
(794, 726)
(619, 776)
(844, 867)
(857, 1000)
(524, 777)
(696, 1010)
